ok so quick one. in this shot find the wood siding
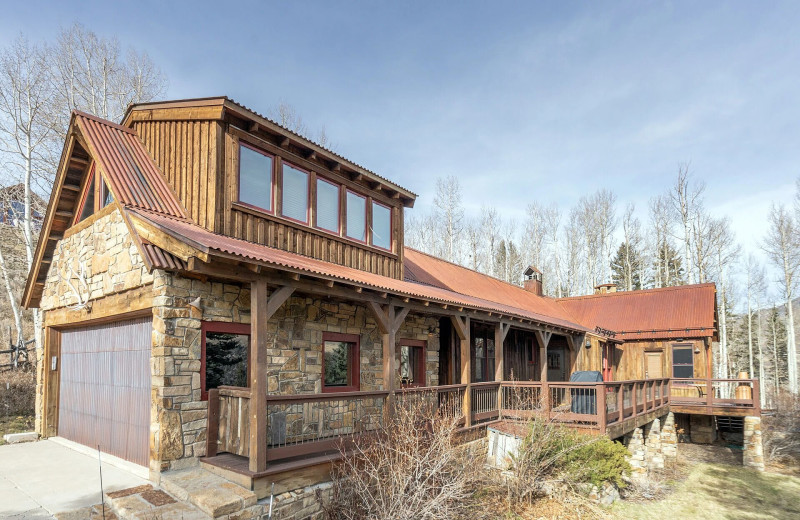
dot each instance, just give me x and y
(630, 358)
(590, 358)
(189, 155)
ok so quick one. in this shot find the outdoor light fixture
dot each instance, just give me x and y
(195, 304)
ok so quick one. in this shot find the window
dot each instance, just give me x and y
(682, 362)
(381, 226)
(412, 362)
(327, 208)
(105, 194)
(340, 362)
(482, 354)
(225, 350)
(255, 178)
(294, 199)
(95, 196)
(356, 216)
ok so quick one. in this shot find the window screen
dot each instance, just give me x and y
(255, 178)
(381, 226)
(682, 362)
(356, 216)
(294, 201)
(327, 206)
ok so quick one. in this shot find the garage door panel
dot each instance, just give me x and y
(105, 387)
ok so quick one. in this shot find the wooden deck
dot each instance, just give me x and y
(305, 433)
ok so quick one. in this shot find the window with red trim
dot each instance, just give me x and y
(294, 193)
(225, 355)
(381, 226)
(327, 206)
(356, 216)
(340, 362)
(412, 362)
(255, 177)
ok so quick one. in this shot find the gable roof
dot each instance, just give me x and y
(686, 311)
(130, 174)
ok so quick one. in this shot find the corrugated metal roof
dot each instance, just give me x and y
(199, 237)
(133, 177)
(160, 259)
(667, 313)
(429, 270)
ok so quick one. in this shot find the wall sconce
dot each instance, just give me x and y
(588, 343)
(696, 349)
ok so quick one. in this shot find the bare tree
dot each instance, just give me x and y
(755, 290)
(552, 219)
(703, 244)
(474, 239)
(781, 247)
(450, 213)
(492, 225)
(686, 199)
(725, 250)
(660, 224)
(534, 239)
(288, 117)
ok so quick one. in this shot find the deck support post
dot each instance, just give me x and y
(621, 402)
(258, 375)
(543, 338)
(389, 319)
(709, 373)
(500, 332)
(461, 324)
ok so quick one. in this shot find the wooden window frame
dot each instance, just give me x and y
(307, 221)
(355, 361)
(487, 334)
(273, 181)
(672, 363)
(88, 184)
(225, 328)
(366, 215)
(421, 363)
(338, 231)
(391, 226)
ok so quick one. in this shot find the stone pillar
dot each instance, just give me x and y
(669, 438)
(652, 448)
(753, 456)
(635, 444)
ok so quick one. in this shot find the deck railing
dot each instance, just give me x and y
(301, 425)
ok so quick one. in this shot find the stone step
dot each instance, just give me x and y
(146, 503)
(212, 494)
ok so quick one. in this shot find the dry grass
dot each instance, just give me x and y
(713, 491)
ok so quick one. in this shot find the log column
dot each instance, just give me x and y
(258, 375)
(500, 332)
(461, 326)
(389, 319)
(543, 338)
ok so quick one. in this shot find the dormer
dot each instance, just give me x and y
(240, 174)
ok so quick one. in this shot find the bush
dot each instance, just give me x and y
(411, 468)
(781, 430)
(598, 461)
(17, 393)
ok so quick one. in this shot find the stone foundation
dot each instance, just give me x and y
(669, 438)
(753, 456)
(652, 445)
(702, 429)
(301, 504)
(634, 441)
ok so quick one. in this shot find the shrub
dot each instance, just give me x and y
(781, 430)
(598, 461)
(410, 468)
(17, 393)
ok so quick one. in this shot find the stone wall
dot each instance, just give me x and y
(753, 456)
(103, 255)
(294, 354)
(302, 504)
(652, 445)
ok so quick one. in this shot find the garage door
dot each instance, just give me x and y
(104, 394)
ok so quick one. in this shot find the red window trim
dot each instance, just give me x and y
(391, 226)
(355, 361)
(421, 363)
(338, 187)
(675, 346)
(347, 210)
(239, 178)
(225, 327)
(86, 187)
(308, 192)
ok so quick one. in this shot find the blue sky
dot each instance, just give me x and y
(520, 100)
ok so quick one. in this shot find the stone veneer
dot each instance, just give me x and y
(753, 456)
(294, 356)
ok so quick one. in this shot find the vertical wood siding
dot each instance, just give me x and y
(104, 397)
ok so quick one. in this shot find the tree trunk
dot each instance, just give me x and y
(12, 300)
(791, 353)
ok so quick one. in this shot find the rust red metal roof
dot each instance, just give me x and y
(686, 311)
(209, 242)
(429, 270)
(133, 177)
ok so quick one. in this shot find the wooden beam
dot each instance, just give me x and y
(253, 127)
(312, 156)
(380, 312)
(258, 375)
(64, 214)
(461, 325)
(400, 316)
(285, 142)
(278, 298)
(500, 332)
(71, 187)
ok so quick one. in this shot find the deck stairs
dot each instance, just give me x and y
(187, 494)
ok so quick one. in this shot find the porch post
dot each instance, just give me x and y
(462, 328)
(389, 319)
(500, 332)
(258, 375)
(543, 338)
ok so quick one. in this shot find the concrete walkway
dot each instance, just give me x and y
(41, 479)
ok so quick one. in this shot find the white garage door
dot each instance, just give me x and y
(104, 394)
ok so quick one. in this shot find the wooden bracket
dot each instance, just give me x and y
(543, 337)
(278, 298)
(461, 325)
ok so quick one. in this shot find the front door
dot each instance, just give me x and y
(653, 365)
(608, 352)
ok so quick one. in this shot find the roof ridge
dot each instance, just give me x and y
(638, 291)
(106, 122)
(479, 273)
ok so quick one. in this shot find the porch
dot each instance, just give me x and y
(305, 432)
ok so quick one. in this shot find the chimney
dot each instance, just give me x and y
(532, 280)
(605, 288)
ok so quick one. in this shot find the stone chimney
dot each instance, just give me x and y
(605, 288)
(532, 280)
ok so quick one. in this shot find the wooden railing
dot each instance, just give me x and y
(717, 394)
(318, 423)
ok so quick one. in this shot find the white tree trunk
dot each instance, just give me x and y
(12, 299)
(791, 352)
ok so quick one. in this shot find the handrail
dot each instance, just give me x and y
(327, 396)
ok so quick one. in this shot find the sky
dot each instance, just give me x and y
(521, 101)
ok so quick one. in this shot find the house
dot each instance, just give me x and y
(217, 288)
